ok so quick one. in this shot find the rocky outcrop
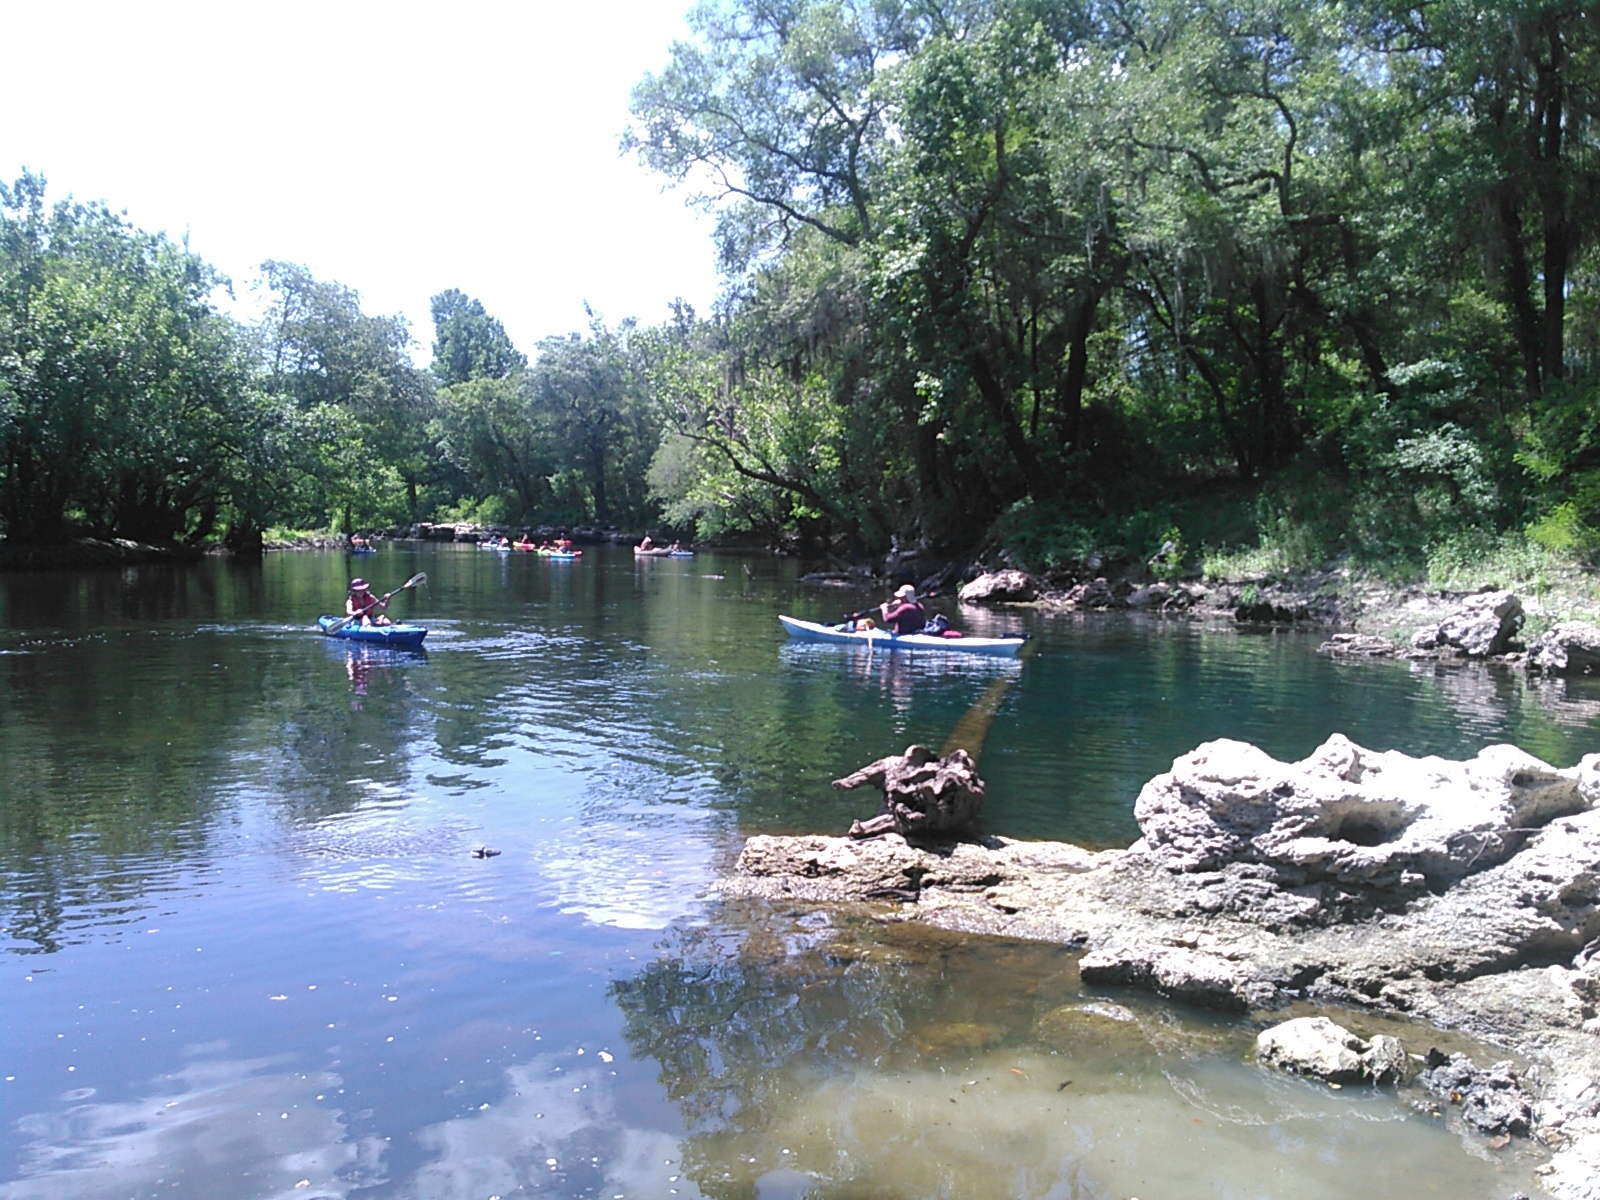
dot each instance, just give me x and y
(1270, 612)
(1315, 1046)
(1358, 645)
(923, 795)
(1351, 822)
(997, 587)
(1484, 625)
(1492, 1099)
(1570, 648)
(1093, 594)
(1466, 894)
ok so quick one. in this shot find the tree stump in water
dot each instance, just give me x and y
(923, 794)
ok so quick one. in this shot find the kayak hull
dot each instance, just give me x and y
(383, 635)
(882, 639)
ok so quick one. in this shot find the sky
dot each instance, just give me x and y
(396, 148)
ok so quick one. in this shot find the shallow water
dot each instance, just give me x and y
(246, 945)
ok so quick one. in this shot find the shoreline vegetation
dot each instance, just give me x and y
(1240, 292)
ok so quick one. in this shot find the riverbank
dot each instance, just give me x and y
(92, 552)
(1460, 894)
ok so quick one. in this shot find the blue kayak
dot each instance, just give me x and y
(386, 635)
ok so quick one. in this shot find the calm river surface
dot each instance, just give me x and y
(247, 951)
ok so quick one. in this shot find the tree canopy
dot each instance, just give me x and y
(1031, 272)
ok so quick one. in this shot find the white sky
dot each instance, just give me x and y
(397, 148)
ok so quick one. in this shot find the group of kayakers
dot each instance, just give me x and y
(562, 544)
(646, 546)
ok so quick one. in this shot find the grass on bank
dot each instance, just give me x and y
(1333, 539)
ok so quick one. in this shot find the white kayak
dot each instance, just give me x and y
(882, 639)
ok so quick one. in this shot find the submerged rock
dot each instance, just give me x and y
(1094, 1031)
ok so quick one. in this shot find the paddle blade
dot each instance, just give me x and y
(419, 577)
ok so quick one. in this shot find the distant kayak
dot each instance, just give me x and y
(363, 549)
(680, 553)
(562, 555)
(653, 552)
(882, 639)
(388, 635)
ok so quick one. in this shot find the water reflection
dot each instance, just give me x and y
(362, 659)
(217, 1127)
(183, 757)
(817, 1056)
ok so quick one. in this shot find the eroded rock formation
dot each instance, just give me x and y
(999, 587)
(1317, 1047)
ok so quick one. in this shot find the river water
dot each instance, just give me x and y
(248, 952)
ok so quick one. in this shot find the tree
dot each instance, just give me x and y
(468, 343)
(591, 391)
(350, 375)
(121, 386)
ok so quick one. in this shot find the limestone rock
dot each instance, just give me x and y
(1097, 1030)
(999, 587)
(1096, 593)
(1268, 612)
(1195, 977)
(1492, 1099)
(1482, 626)
(1317, 1047)
(1358, 645)
(1353, 817)
(1570, 648)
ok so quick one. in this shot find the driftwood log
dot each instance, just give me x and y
(923, 795)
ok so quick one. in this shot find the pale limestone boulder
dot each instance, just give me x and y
(1317, 1047)
(1570, 648)
(999, 587)
(1355, 817)
(1484, 625)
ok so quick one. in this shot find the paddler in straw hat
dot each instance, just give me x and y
(361, 602)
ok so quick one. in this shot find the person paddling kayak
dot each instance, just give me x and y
(361, 602)
(904, 613)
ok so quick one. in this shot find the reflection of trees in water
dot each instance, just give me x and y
(107, 765)
(1553, 718)
(329, 736)
(743, 1018)
(122, 752)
